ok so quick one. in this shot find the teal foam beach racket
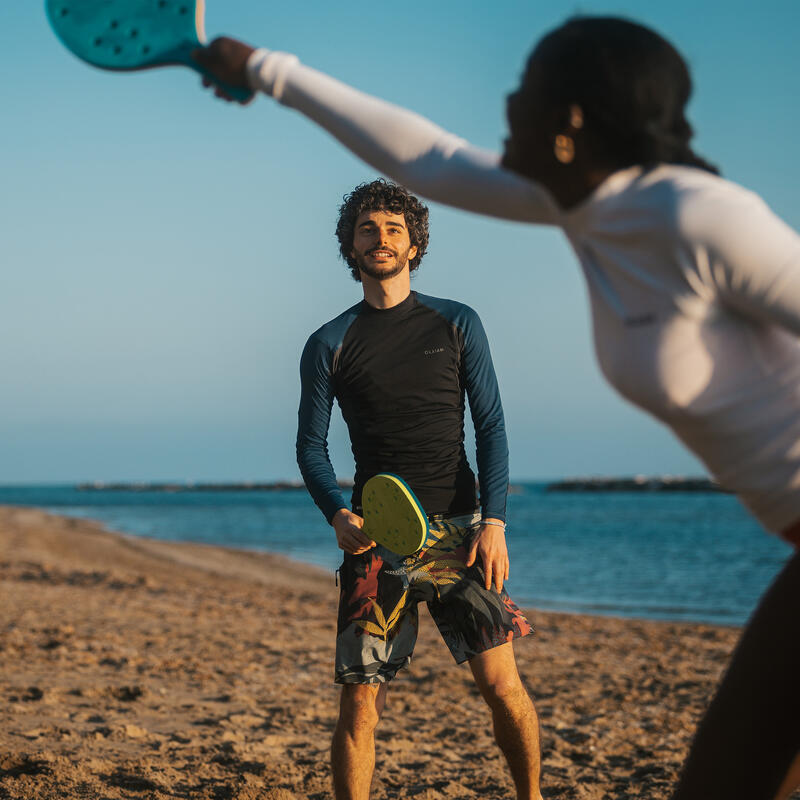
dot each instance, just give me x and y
(392, 514)
(129, 35)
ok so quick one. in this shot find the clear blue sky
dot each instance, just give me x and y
(164, 257)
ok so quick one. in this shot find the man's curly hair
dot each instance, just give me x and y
(381, 195)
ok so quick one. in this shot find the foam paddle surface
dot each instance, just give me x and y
(132, 34)
(392, 514)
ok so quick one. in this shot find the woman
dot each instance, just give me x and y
(695, 295)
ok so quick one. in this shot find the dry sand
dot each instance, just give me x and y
(135, 668)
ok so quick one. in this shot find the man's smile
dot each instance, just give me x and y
(382, 253)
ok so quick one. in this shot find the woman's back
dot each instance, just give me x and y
(695, 294)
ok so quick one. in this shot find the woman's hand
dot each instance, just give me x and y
(225, 60)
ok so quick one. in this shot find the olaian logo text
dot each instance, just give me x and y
(434, 351)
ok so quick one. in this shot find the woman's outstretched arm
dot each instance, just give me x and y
(399, 143)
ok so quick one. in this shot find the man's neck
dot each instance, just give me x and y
(387, 293)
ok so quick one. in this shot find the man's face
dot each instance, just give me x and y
(381, 244)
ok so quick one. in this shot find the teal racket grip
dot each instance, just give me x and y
(238, 93)
(198, 55)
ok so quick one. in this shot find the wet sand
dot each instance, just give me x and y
(135, 668)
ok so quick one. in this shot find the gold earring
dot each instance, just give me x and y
(564, 149)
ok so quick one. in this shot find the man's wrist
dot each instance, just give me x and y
(493, 521)
(338, 512)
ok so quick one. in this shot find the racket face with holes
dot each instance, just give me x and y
(392, 514)
(129, 34)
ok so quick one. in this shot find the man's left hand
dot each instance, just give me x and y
(490, 545)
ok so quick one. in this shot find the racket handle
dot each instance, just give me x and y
(240, 93)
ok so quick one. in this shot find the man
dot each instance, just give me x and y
(399, 364)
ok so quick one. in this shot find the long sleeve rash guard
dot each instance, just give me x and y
(400, 376)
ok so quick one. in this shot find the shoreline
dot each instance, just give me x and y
(134, 667)
(327, 557)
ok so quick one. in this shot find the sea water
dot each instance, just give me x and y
(658, 555)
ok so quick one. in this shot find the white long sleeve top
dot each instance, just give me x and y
(694, 283)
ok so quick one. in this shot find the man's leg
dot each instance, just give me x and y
(516, 727)
(353, 748)
(376, 633)
(750, 736)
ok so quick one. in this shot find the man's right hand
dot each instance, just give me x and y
(349, 535)
(225, 59)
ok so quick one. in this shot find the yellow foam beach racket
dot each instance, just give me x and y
(393, 516)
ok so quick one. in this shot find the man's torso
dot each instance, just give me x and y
(399, 382)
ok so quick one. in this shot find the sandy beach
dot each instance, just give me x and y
(135, 668)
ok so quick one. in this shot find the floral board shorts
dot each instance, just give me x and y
(378, 618)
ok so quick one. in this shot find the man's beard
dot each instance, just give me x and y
(378, 272)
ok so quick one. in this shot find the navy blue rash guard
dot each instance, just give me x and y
(400, 376)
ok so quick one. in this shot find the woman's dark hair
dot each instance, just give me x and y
(382, 195)
(631, 83)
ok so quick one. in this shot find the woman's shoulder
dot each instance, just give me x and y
(699, 188)
(697, 201)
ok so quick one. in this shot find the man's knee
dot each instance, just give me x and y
(507, 694)
(358, 709)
